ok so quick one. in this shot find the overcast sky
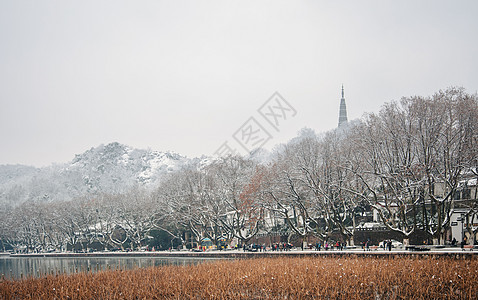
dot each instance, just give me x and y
(186, 75)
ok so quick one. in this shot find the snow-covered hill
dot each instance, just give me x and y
(111, 168)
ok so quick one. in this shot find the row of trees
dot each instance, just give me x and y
(414, 157)
(406, 162)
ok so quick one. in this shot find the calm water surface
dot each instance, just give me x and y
(21, 267)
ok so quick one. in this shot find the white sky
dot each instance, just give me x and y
(185, 75)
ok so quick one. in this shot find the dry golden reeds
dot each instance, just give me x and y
(266, 278)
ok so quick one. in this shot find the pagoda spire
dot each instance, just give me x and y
(342, 110)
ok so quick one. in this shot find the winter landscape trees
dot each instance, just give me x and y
(412, 163)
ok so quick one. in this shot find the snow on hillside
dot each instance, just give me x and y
(111, 168)
(10, 173)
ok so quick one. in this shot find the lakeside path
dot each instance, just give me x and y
(239, 254)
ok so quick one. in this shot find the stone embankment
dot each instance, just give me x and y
(239, 254)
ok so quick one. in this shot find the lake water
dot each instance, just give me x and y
(21, 267)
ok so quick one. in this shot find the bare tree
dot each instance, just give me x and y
(383, 161)
(236, 183)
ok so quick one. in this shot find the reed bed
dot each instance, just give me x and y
(266, 278)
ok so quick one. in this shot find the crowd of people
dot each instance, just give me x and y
(326, 246)
(319, 246)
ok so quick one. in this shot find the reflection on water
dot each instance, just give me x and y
(21, 267)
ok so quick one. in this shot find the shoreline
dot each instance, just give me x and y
(239, 254)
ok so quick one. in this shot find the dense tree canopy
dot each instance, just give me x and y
(407, 162)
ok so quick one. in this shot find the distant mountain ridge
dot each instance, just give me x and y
(111, 168)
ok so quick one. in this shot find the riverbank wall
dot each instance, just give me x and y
(235, 254)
